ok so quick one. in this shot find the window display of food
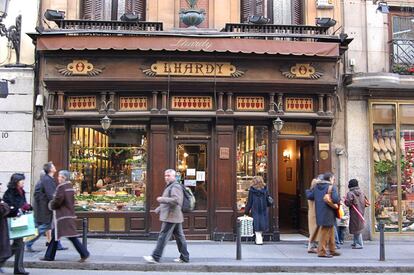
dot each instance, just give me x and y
(109, 168)
(252, 156)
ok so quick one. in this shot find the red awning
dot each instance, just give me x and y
(184, 44)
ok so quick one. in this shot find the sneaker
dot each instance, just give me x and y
(150, 260)
(179, 260)
(353, 245)
(357, 247)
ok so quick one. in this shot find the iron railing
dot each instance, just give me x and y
(402, 56)
(108, 25)
(277, 29)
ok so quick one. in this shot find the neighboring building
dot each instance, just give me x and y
(379, 113)
(16, 111)
(204, 101)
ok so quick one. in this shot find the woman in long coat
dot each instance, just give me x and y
(5, 249)
(15, 197)
(64, 218)
(313, 227)
(257, 205)
(356, 201)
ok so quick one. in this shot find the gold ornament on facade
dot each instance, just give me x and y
(250, 103)
(192, 103)
(81, 103)
(302, 70)
(79, 67)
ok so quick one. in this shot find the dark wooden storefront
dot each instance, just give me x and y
(272, 81)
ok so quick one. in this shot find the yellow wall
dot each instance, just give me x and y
(287, 187)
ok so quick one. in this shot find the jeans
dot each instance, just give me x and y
(167, 230)
(358, 240)
(18, 252)
(51, 249)
(341, 233)
(42, 228)
(336, 235)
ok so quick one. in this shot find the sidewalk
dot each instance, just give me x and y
(207, 256)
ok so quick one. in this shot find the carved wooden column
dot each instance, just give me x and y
(329, 101)
(102, 106)
(320, 103)
(164, 109)
(51, 103)
(111, 106)
(272, 104)
(154, 108)
(280, 103)
(229, 103)
(220, 103)
(61, 102)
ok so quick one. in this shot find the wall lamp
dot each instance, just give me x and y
(286, 155)
(4, 87)
(383, 7)
(278, 125)
(106, 121)
(12, 33)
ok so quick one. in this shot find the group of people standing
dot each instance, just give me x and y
(54, 214)
(324, 235)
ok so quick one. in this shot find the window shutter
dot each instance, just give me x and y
(297, 12)
(251, 7)
(93, 9)
(137, 7)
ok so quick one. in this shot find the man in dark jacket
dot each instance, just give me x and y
(172, 219)
(5, 249)
(44, 190)
(325, 215)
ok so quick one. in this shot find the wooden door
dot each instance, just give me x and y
(306, 174)
(192, 165)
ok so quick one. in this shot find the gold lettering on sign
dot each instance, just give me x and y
(302, 70)
(206, 69)
(224, 153)
(297, 128)
(79, 67)
(193, 44)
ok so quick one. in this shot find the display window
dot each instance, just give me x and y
(109, 169)
(393, 165)
(252, 159)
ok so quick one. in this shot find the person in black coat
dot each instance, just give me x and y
(5, 249)
(15, 197)
(325, 215)
(257, 205)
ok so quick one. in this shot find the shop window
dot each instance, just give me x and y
(252, 159)
(111, 9)
(109, 170)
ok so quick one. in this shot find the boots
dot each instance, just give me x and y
(259, 237)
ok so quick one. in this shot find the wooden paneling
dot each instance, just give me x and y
(200, 222)
(137, 224)
(58, 145)
(323, 136)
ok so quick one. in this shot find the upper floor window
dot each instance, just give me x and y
(278, 11)
(111, 9)
(402, 42)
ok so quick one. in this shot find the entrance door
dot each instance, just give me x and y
(191, 162)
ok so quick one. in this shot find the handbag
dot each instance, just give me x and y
(327, 198)
(22, 226)
(340, 212)
(270, 201)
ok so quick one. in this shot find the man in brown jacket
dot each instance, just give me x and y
(64, 218)
(172, 218)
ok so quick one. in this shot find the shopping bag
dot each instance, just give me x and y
(246, 229)
(32, 237)
(21, 232)
(20, 222)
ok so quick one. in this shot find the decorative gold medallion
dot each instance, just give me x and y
(79, 67)
(323, 155)
(302, 70)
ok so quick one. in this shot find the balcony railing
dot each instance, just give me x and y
(276, 29)
(108, 25)
(402, 56)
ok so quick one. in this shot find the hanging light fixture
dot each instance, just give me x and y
(106, 122)
(278, 124)
(383, 7)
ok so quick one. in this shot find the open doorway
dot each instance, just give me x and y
(296, 170)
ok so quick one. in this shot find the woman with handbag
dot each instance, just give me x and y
(356, 201)
(5, 249)
(15, 197)
(257, 204)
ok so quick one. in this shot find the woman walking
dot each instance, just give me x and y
(5, 249)
(313, 227)
(15, 197)
(64, 223)
(257, 206)
(356, 200)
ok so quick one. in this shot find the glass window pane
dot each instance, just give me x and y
(407, 113)
(407, 176)
(384, 149)
(109, 170)
(252, 159)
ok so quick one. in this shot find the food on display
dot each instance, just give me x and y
(387, 142)
(393, 144)
(375, 156)
(382, 145)
(376, 145)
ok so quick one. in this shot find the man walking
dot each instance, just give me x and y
(44, 190)
(172, 218)
(325, 215)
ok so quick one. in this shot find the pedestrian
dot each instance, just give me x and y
(64, 219)
(312, 225)
(5, 249)
(172, 219)
(356, 201)
(325, 215)
(44, 190)
(343, 224)
(15, 197)
(257, 206)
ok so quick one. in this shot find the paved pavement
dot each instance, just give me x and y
(206, 256)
